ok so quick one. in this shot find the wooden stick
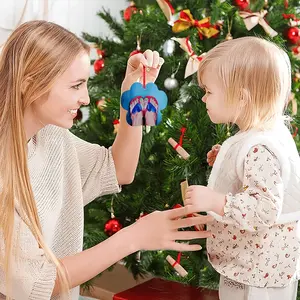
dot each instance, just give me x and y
(184, 185)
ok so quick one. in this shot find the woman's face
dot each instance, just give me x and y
(66, 96)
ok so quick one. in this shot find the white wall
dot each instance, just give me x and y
(75, 15)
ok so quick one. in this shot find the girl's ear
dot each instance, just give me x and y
(245, 97)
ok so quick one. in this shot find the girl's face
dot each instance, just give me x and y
(214, 98)
(66, 96)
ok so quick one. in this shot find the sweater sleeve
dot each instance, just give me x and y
(32, 275)
(260, 202)
(97, 169)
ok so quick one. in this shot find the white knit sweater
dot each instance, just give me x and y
(66, 174)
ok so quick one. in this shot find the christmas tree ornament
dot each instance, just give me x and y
(144, 103)
(194, 60)
(116, 124)
(242, 4)
(129, 11)
(171, 83)
(186, 20)
(293, 35)
(228, 35)
(138, 46)
(168, 47)
(176, 265)
(168, 11)
(98, 65)
(251, 19)
(113, 225)
(101, 103)
(178, 146)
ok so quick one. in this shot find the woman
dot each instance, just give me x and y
(48, 174)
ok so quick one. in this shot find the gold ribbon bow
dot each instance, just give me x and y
(186, 20)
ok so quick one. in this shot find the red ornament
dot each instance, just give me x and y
(101, 53)
(79, 115)
(293, 35)
(132, 9)
(112, 226)
(98, 65)
(242, 4)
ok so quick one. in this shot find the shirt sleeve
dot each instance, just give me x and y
(32, 275)
(260, 202)
(97, 169)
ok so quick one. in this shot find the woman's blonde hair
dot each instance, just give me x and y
(256, 76)
(33, 57)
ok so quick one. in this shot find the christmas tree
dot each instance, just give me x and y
(197, 26)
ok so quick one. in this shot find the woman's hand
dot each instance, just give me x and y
(159, 230)
(134, 72)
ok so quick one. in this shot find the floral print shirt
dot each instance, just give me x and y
(247, 245)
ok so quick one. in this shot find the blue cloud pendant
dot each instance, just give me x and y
(144, 104)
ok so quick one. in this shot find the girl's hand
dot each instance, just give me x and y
(212, 154)
(205, 199)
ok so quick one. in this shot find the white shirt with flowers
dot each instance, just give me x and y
(247, 244)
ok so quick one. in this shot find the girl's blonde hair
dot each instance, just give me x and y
(256, 76)
(33, 57)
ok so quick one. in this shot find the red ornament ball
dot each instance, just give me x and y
(112, 226)
(242, 4)
(98, 65)
(132, 9)
(293, 35)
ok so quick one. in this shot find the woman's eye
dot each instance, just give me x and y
(77, 86)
